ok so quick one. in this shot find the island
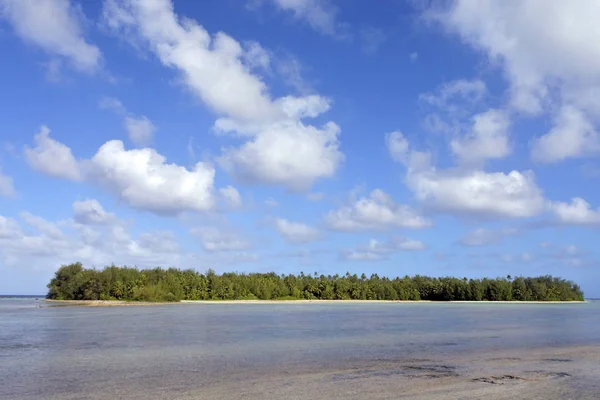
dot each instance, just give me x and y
(113, 283)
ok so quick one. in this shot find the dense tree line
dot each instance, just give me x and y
(74, 282)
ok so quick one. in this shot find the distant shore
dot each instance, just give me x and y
(120, 303)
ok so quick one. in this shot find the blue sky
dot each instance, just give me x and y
(441, 138)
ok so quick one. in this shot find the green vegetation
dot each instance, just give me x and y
(74, 282)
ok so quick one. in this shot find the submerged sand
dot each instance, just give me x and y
(549, 374)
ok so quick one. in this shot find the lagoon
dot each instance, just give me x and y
(319, 351)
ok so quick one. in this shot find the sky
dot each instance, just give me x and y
(443, 138)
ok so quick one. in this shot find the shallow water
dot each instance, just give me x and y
(264, 350)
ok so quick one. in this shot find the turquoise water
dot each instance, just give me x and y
(51, 351)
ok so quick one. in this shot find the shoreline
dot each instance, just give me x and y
(122, 303)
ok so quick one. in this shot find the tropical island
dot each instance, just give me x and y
(74, 282)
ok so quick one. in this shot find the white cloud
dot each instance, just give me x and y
(256, 56)
(477, 192)
(292, 155)
(320, 15)
(41, 225)
(55, 26)
(517, 34)
(90, 212)
(469, 91)
(468, 191)
(577, 212)
(231, 196)
(7, 188)
(413, 57)
(38, 243)
(573, 135)
(9, 228)
(487, 139)
(376, 250)
(143, 179)
(296, 232)
(140, 130)
(51, 157)
(524, 38)
(376, 211)
(210, 67)
(397, 145)
(281, 149)
(220, 239)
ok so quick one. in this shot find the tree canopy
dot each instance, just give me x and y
(74, 282)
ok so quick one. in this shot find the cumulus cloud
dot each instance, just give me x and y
(296, 232)
(487, 138)
(143, 179)
(55, 26)
(39, 243)
(577, 212)
(467, 191)
(573, 135)
(477, 192)
(523, 37)
(376, 250)
(90, 212)
(52, 157)
(280, 155)
(376, 211)
(279, 147)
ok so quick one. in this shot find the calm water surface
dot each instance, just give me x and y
(53, 351)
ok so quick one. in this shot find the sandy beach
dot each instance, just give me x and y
(119, 303)
(101, 303)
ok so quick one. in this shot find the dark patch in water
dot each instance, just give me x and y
(408, 371)
(498, 380)
(558, 359)
(550, 374)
